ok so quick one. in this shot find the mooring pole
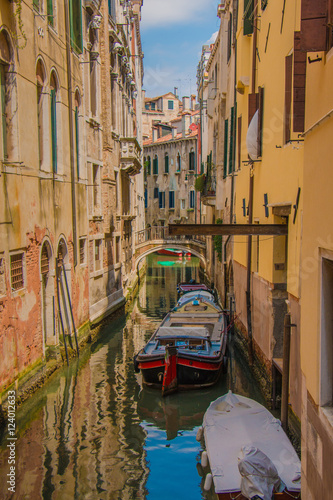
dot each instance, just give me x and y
(285, 372)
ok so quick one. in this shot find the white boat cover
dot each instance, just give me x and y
(193, 295)
(233, 422)
(182, 332)
(259, 474)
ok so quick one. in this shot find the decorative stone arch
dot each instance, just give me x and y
(42, 115)
(9, 104)
(78, 136)
(47, 273)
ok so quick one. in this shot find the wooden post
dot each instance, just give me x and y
(285, 373)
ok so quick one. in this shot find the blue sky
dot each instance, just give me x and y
(173, 32)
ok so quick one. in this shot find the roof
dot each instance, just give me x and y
(169, 138)
(148, 99)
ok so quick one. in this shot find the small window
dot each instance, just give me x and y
(153, 106)
(82, 243)
(155, 165)
(191, 161)
(179, 162)
(182, 204)
(147, 107)
(148, 165)
(98, 255)
(192, 199)
(16, 271)
(2, 276)
(170, 104)
(146, 198)
(166, 163)
(50, 13)
(155, 193)
(171, 199)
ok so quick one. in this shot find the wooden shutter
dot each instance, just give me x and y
(299, 84)
(260, 119)
(287, 97)
(50, 18)
(248, 17)
(314, 25)
(225, 148)
(253, 105)
(239, 151)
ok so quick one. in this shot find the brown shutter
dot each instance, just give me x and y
(260, 119)
(299, 84)
(253, 105)
(287, 97)
(314, 25)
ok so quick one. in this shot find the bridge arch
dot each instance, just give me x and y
(185, 248)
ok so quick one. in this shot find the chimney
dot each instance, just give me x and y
(175, 91)
(186, 122)
(174, 132)
(155, 134)
(193, 101)
(186, 103)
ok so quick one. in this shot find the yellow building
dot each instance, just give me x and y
(316, 269)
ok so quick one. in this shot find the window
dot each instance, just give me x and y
(191, 161)
(54, 145)
(146, 198)
(171, 199)
(35, 5)
(16, 271)
(50, 13)
(287, 97)
(225, 160)
(192, 199)
(229, 40)
(326, 366)
(77, 136)
(179, 162)
(75, 12)
(98, 255)
(93, 71)
(166, 163)
(148, 165)
(170, 104)
(3, 109)
(41, 112)
(161, 199)
(248, 17)
(147, 107)
(231, 149)
(2, 276)
(182, 204)
(82, 249)
(118, 248)
(153, 106)
(299, 84)
(155, 192)
(155, 165)
(112, 8)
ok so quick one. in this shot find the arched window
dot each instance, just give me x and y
(155, 165)
(166, 163)
(93, 55)
(41, 112)
(191, 165)
(47, 293)
(8, 98)
(179, 162)
(54, 142)
(77, 103)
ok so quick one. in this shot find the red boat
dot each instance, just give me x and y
(173, 251)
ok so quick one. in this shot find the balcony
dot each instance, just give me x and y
(206, 184)
(130, 155)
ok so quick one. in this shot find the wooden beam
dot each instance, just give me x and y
(228, 229)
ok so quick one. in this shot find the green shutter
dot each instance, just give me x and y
(35, 4)
(3, 111)
(166, 164)
(75, 14)
(248, 17)
(54, 130)
(225, 148)
(77, 141)
(50, 17)
(231, 149)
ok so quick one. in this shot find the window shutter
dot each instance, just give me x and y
(287, 97)
(299, 84)
(261, 119)
(248, 17)
(314, 25)
(225, 148)
(146, 198)
(239, 152)
(50, 19)
(160, 204)
(231, 149)
(253, 105)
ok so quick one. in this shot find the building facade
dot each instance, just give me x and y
(62, 259)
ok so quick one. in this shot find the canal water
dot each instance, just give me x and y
(92, 432)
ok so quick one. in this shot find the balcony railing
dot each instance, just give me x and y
(130, 155)
(162, 233)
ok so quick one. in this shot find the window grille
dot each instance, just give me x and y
(44, 264)
(82, 250)
(16, 271)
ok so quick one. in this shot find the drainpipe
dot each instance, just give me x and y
(70, 121)
(251, 187)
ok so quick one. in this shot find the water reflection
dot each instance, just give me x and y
(91, 432)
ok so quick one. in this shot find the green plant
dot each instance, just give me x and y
(200, 182)
(18, 16)
(218, 242)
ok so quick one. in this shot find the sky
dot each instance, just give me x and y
(173, 33)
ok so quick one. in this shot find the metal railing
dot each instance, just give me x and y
(162, 233)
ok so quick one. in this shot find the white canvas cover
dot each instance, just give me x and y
(193, 295)
(232, 422)
(259, 474)
(182, 332)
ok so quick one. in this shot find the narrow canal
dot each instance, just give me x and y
(93, 432)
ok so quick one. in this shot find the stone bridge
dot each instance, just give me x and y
(157, 238)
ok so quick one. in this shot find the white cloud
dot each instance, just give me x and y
(157, 13)
(212, 38)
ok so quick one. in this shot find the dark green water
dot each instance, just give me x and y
(92, 432)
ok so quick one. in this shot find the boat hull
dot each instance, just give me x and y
(285, 495)
(191, 373)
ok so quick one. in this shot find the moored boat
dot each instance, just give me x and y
(173, 251)
(192, 287)
(188, 349)
(248, 452)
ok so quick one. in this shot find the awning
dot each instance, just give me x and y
(252, 137)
